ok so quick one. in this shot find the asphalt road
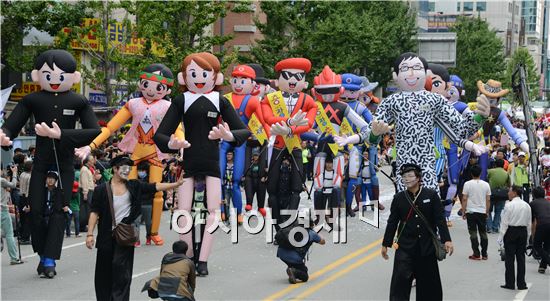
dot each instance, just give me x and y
(250, 270)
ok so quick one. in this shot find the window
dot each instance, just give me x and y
(468, 6)
(431, 6)
(481, 6)
(458, 6)
(509, 27)
(509, 7)
(516, 28)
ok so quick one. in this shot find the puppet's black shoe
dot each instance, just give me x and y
(49, 272)
(291, 276)
(202, 268)
(40, 269)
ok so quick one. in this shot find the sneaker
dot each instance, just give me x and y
(484, 257)
(78, 235)
(202, 268)
(157, 240)
(17, 261)
(489, 231)
(291, 277)
(474, 257)
(148, 241)
(542, 270)
(25, 242)
(449, 224)
(137, 244)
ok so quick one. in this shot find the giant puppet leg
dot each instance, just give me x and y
(297, 178)
(484, 163)
(185, 201)
(238, 171)
(213, 197)
(155, 176)
(318, 170)
(225, 147)
(375, 186)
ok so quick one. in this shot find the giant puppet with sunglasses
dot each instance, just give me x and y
(146, 112)
(289, 112)
(415, 112)
(207, 118)
(56, 110)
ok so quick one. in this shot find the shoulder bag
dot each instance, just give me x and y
(124, 234)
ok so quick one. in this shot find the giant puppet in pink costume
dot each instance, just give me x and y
(207, 117)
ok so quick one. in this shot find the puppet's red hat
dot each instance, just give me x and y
(294, 63)
(244, 71)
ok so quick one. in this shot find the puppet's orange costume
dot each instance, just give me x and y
(138, 141)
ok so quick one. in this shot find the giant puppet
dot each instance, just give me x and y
(367, 96)
(289, 112)
(362, 174)
(243, 85)
(415, 112)
(492, 92)
(56, 110)
(207, 117)
(146, 112)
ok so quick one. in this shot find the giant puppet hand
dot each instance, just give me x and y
(82, 152)
(475, 148)
(222, 131)
(483, 106)
(379, 128)
(343, 140)
(281, 128)
(524, 146)
(4, 139)
(42, 129)
(176, 143)
(299, 119)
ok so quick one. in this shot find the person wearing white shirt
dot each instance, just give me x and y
(476, 200)
(515, 228)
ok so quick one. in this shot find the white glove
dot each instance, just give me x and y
(82, 152)
(222, 131)
(298, 119)
(524, 147)
(483, 106)
(271, 141)
(42, 129)
(280, 129)
(379, 127)
(475, 148)
(343, 140)
(176, 143)
(4, 140)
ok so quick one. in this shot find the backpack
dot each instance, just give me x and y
(282, 238)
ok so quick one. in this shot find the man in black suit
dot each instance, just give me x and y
(415, 252)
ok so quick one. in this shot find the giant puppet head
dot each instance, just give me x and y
(55, 71)
(200, 73)
(262, 83)
(242, 80)
(366, 96)
(492, 90)
(292, 74)
(155, 82)
(439, 79)
(456, 90)
(327, 86)
(409, 71)
(352, 87)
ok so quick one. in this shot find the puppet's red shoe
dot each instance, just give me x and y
(157, 240)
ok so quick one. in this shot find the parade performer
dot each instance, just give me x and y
(354, 87)
(55, 109)
(246, 104)
(415, 112)
(146, 112)
(207, 117)
(289, 112)
(492, 91)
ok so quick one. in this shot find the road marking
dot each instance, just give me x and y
(324, 270)
(146, 272)
(339, 274)
(63, 248)
(521, 295)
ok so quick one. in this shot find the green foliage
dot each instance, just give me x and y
(479, 54)
(522, 56)
(360, 37)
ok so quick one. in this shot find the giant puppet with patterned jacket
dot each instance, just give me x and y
(146, 112)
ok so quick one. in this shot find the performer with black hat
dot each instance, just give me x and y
(415, 253)
(121, 197)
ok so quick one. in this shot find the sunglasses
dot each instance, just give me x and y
(326, 91)
(298, 76)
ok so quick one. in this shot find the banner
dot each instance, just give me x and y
(346, 130)
(323, 122)
(254, 123)
(278, 106)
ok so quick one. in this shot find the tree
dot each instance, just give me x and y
(360, 37)
(522, 56)
(479, 54)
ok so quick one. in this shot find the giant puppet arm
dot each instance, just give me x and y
(302, 118)
(255, 107)
(310, 109)
(164, 137)
(15, 122)
(359, 123)
(518, 139)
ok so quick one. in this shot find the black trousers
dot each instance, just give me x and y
(515, 242)
(541, 244)
(24, 220)
(277, 202)
(113, 272)
(477, 223)
(254, 186)
(300, 270)
(408, 266)
(322, 201)
(44, 242)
